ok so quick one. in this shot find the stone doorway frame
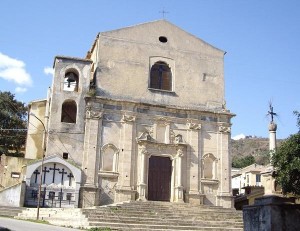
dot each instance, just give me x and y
(147, 148)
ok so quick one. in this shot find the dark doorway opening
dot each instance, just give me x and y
(159, 178)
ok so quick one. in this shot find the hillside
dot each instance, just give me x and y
(251, 146)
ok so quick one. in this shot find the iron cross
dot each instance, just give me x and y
(36, 172)
(45, 171)
(271, 113)
(54, 169)
(163, 12)
(62, 172)
(70, 176)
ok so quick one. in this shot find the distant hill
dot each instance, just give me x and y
(254, 146)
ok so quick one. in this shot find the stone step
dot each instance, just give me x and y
(8, 211)
(129, 226)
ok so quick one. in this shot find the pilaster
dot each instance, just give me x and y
(93, 126)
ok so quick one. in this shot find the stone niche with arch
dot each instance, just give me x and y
(209, 180)
(108, 173)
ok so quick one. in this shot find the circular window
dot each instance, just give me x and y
(163, 39)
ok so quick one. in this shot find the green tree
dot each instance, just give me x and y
(286, 161)
(13, 117)
(241, 162)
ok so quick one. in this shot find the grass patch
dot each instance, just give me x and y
(99, 229)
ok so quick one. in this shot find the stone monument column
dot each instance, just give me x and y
(141, 187)
(90, 192)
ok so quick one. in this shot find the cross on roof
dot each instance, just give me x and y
(163, 12)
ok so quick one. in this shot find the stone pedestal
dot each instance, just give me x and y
(272, 213)
(89, 196)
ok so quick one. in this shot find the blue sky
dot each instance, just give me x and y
(261, 38)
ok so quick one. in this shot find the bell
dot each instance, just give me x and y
(70, 78)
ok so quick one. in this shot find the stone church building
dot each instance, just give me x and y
(141, 117)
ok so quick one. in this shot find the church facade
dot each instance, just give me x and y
(142, 117)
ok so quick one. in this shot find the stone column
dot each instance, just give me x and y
(179, 187)
(124, 190)
(143, 155)
(89, 192)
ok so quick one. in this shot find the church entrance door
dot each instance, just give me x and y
(159, 178)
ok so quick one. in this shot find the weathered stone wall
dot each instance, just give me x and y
(13, 196)
(123, 61)
(271, 214)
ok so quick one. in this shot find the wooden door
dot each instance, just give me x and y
(159, 178)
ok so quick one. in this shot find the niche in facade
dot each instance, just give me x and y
(69, 111)
(71, 81)
(109, 158)
(209, 166)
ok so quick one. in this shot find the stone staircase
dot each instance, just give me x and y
(143, 216)
(152, 215)
(7, 211)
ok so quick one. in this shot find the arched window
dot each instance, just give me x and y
(69, 111)
(161, 76)
(209, 166)
(109, 158)
(71, 81)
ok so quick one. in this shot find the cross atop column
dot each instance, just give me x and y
(62, 172)
(271, 112)
(54, 169)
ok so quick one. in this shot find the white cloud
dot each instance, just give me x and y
(14, 70)
(48, 71)
(238, 137)
(20, 89)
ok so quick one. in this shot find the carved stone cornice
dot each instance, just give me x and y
(224, 128)
(180, 152)
(143, 150)
(128, 118)
(92, 114)
(193, 126)
(163, 120)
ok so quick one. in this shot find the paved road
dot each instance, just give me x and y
(20, 225)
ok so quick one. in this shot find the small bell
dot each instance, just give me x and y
(70, 78)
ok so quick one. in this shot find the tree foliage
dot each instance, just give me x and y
(241, 162)
(286, 161)
(13, 117)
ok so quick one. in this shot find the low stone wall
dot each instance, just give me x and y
(272, 213)
(13, 196)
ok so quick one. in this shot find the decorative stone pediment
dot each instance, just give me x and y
(145, 136)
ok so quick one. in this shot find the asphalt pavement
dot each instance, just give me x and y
(9, 224)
